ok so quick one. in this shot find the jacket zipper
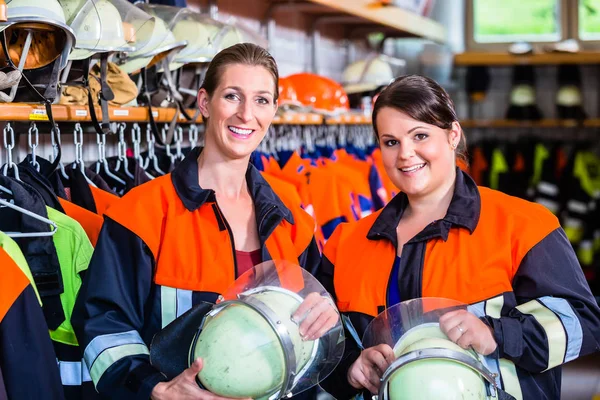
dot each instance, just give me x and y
(259, 228)
(232, 241)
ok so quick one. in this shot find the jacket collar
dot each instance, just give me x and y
(185, 181)
(463, 211)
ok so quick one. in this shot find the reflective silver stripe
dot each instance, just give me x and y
(547, 188)
(478, 309)
(173, 303)
(577, 206)
(73, 373)
(570, 322)
(553, 327)
(507, 379)
(111, 344)
(184, 301)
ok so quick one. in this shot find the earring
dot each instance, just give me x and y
(453, 146)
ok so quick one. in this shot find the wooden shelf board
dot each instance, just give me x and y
(400, 20)
(31, 112)
(482, 58)
(36, 112)
(298, 119)
(349, 120)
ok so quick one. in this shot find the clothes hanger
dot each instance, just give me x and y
(4, 203)
(163, 134)
(102, 162)
(136, 139)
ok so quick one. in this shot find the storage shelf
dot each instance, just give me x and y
(544, 123)
(349, 120)
(482, 58)
(20, 112)
(298, 119)
(400, 20)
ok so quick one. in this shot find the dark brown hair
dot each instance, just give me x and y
(422, 99)
(241, 53)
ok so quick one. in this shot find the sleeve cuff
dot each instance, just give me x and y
(508, 335)
(143, 379)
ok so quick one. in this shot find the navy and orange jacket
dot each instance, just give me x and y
(27, 358)
(163, 248)
(507, 258)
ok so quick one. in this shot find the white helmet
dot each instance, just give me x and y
(248, 341)
(367, 75)
(160, 43)
(428, 364)
(106, 26)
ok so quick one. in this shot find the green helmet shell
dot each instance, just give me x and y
(439, 379)
(242, 354)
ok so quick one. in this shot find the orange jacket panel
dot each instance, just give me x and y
(12, 282)
(90, 222)
(157, 216)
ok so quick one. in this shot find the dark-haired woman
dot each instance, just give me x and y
(184, 238)
(443, 236)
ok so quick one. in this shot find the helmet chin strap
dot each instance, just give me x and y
(49, 94)
(106, 94)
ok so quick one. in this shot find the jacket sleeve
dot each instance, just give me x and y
(26, 352)
(109, 315)
(556, 318)
(336, 383)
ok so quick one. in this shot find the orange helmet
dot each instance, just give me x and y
(319, 93)
(287, 94)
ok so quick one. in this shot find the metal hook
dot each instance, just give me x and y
(102, 162)
(55, 146)
(178, 135)
(122, 151)
(9, 146)
(151, 155)
(193, 132)
(33, 140)
(163, 134)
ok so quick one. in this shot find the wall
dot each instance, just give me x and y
(291, 48)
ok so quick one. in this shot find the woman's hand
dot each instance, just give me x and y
(184, 387)
(317, 315)
(466, 330)
(367, 370)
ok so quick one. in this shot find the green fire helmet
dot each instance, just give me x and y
(248, 341)
(428, 364)
(198, 30)
(103, 26)
(234, 33)
(160, 43)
